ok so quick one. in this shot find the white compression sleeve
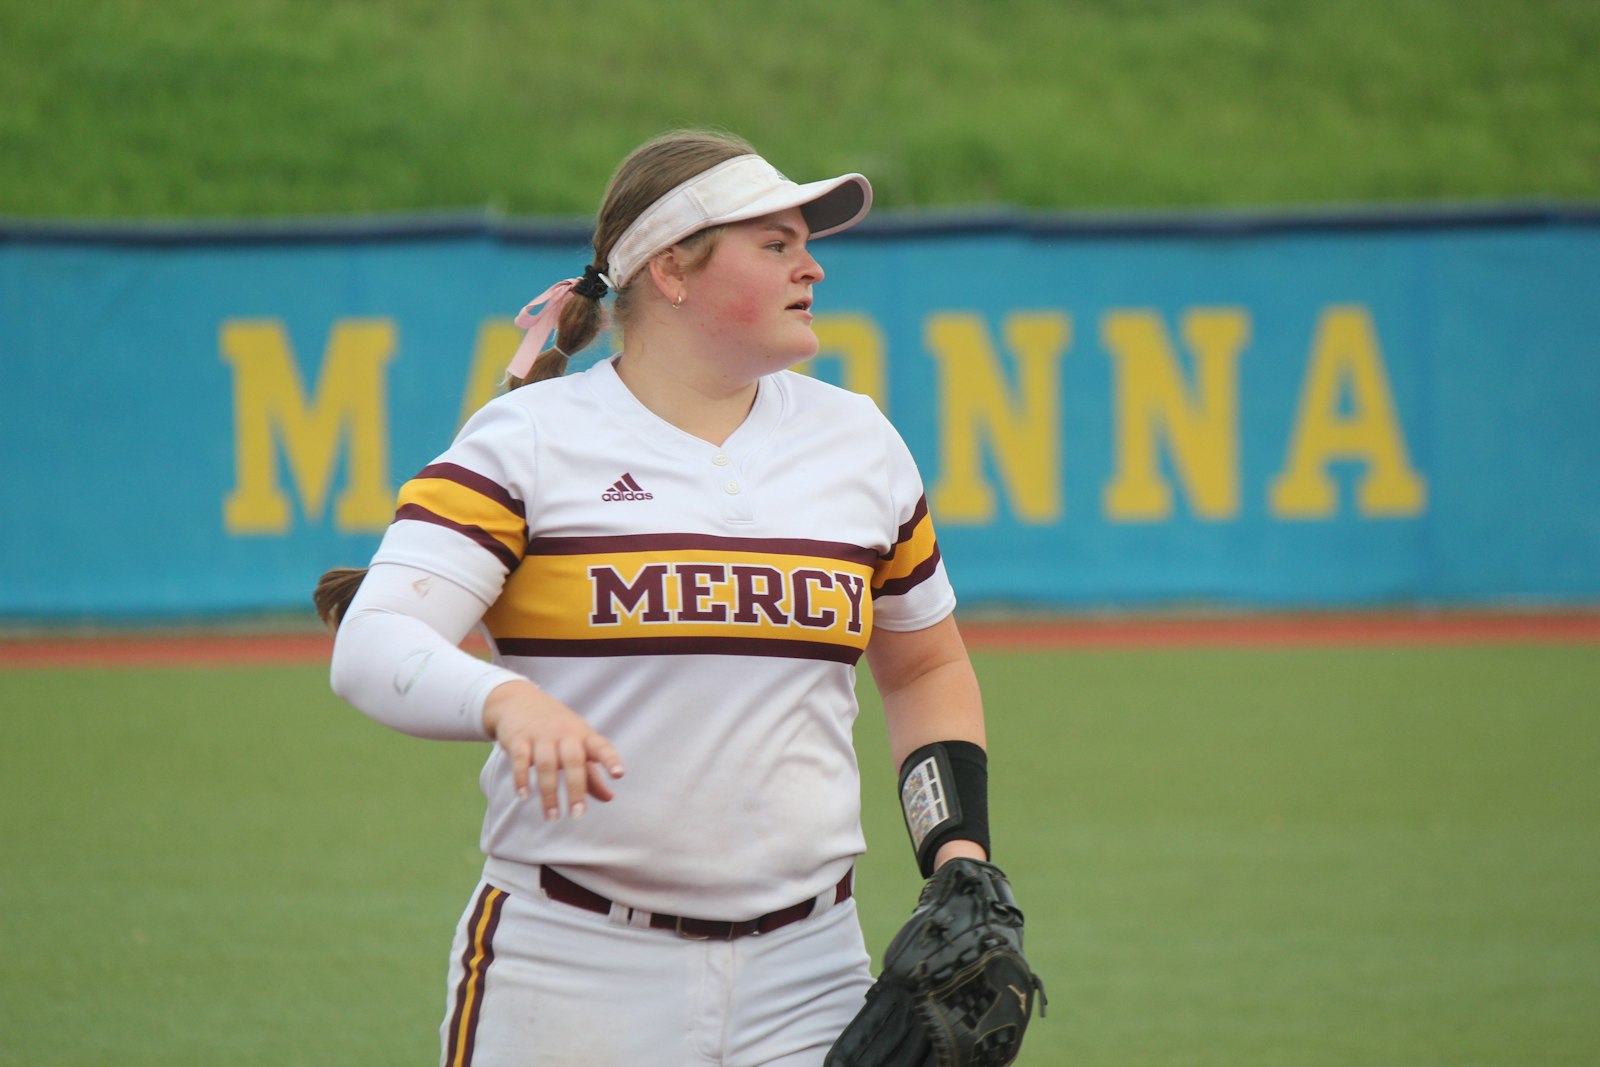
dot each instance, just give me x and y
(396, 655)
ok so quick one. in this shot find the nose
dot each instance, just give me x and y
(810, 270)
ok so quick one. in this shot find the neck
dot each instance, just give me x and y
(685, 394)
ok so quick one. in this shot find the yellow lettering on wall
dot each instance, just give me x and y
(1199, 425)
(1021, 427)
(497, 343)
(270, 406)
(857, 343)
(1346, 361)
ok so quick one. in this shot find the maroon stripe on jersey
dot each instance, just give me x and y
(906, 583)
(678, 542)
(627, 479)
(452, 472)
(475, 961)
(776, 648)
(909, 526)
(418, 513)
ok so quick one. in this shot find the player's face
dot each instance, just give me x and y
(754, 292)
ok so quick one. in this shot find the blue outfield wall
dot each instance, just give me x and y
(1254, 411)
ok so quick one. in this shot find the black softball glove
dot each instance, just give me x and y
(955, 989)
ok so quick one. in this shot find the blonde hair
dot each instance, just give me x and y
(649, 172)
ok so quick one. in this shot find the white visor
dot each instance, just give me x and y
(742, 188)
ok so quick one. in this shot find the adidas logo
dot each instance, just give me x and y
(625, 488)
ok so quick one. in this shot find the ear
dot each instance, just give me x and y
(666, 273)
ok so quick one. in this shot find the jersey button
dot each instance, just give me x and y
(731, 488)
(721, 459)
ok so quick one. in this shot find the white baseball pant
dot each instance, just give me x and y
(538, 983)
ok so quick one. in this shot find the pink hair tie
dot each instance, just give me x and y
(539, 326)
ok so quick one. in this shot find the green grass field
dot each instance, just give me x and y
(1273, 857)
(122, 108)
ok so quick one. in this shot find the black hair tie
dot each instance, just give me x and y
(591, 284)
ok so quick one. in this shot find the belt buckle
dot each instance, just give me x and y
(678, 929)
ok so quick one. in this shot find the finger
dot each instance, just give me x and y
(521, 752)
(575, 768)
(599, 788)
(545, 760)
(600, 751)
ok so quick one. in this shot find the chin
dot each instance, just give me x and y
(798, 351)
(796, 357)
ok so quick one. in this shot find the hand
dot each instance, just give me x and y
(540, 733)
(955, 988)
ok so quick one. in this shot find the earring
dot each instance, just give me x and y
(678, 303)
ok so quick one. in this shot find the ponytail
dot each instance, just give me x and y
(581, 322)
(333, 594)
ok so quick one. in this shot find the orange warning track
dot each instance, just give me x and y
(186, 649)
(164, 650)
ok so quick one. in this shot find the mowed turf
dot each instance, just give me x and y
(1230, 857)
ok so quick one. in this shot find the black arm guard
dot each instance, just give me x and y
(944, 795)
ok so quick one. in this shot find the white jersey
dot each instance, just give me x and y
(701, 606)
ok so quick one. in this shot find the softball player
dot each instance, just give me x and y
(678, 557)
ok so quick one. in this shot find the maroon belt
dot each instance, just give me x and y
(563, 889)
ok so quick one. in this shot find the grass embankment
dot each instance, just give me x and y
(115, 108)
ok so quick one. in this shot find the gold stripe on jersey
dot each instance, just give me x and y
(914, 556)
(455, 497)
(660, 595)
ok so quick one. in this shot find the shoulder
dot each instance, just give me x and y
(809, 395)
(836, 416)
(845, 415)
(552, 394)
(529, 406)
